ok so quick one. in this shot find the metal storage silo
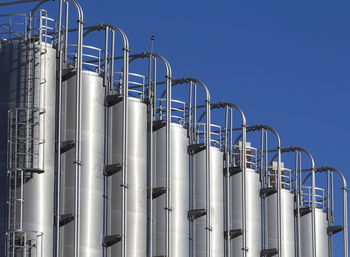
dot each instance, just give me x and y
(92, 163)
(253, 204)
(136, 211)
(179, 191)
(27, 115)
(216, 203)
(321, 223)
(287, 214)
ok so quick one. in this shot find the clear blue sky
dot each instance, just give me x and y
(286, 63)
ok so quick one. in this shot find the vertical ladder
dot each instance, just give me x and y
(26, 148)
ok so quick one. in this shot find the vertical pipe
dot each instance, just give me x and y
(228, 159)
(150, 161)
(244, 200)
(80, 22)
(345, 218)
(329, 214)
(106, 141)
(313, 210)
(208, 193)
(58, 135)
(125, 149)
(168, 161)
(195, 112)
(66, 25)
(296, 193)
(263, 209)
(227, 163)
(279, 201)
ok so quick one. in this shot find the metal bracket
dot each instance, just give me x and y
(33, 170)
(111, 100)
(303, 211)
(268, 252)
(158, 124)
(108, 241)
(67, 145)
(233, 170)
(267, 191)
(156, 192)
(195, 148)
(69, 73)
(231, 234)
(331, 230)
(195, 214)
(111, 169)
(65, 219)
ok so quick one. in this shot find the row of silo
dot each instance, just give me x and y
(99, 163)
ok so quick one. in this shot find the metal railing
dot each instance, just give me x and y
(251, 157)
(25, 244)
(320, 196)
(91, 58)
(286, 177)
(13, 25)
(136, 84)
(217, 134)
(178, 110)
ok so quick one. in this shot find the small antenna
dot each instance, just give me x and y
(152, 41)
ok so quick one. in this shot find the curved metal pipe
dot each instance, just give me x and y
(244, 159)
(168, 78)
(345, 210)
(313, 195)
(207, 149)
(78, 107)
(279, 188)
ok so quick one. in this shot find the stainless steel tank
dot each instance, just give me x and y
(92, 158)
(253, 208)
(253, 211)
(27, 125)
(216, 199)
(137, 178)
(321, 234)
(287, 221)
(179, 191)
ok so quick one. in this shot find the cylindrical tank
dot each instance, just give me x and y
(27, 125)
(287, 222)
(253, 212)
(92, 159)
(179, 191)
(136, 214)
(321, 234)
(216, 206)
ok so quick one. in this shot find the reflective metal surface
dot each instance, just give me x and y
(92, 158)
(217, 203)
(321, 234)
(287, 215)
(253, 211)
(136, 177)
(26, 94)
(179, 189)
